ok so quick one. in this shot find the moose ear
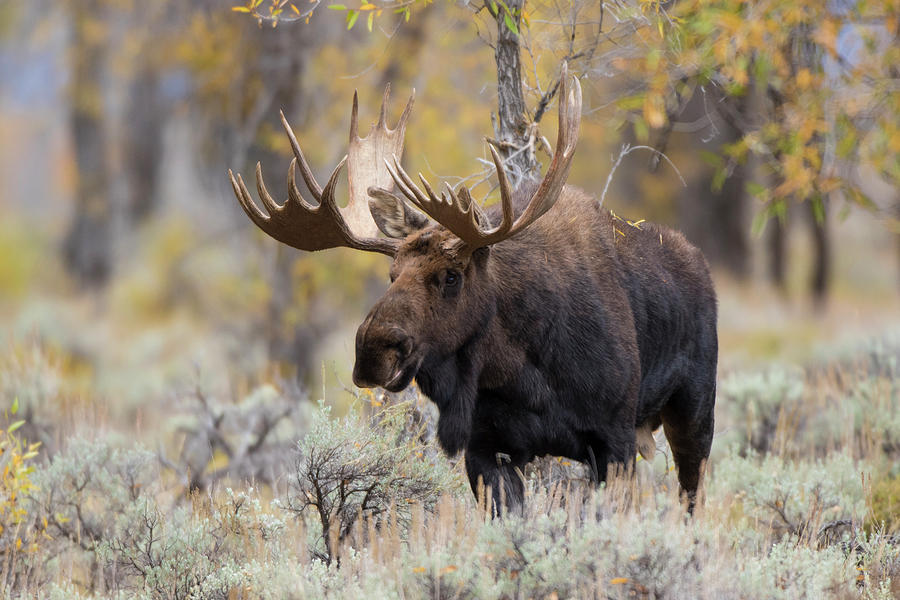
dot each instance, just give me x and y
(393, 216)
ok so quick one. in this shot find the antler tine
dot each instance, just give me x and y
(267, 199)
(505, 193)
(305, 171)
(467, 204)
(404, 116)
(566, 140)
(382, 117)
(465, 197)
(452, 194)
(246, 200)
(431, 195)
(354, 118)
(293, 191)
(328, 193)
(406, 185)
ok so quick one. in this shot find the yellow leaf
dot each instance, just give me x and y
(653, 112)
(368, 6)
(418, 569)
(826, 35)
(618, 580)
(295, 9)
(242, 9)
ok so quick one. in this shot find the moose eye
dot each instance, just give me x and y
(451, 278)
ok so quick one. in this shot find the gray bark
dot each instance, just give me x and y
(512, 121)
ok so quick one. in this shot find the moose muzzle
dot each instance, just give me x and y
(383, 356)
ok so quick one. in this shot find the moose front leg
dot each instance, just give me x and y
(501, 474)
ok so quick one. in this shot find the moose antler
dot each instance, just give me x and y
(459, 214)
(306, 227)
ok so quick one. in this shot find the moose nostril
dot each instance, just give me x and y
(397, 339)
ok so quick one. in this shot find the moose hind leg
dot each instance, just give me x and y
(688, 422)
(501, 474)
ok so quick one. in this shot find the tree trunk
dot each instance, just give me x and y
(809, 55)
(821, 272)
(512, 127)
(777, 252)
(88, 242)
(145, 118)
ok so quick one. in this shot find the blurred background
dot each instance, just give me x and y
(127, 264)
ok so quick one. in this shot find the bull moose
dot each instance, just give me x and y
(560, 330)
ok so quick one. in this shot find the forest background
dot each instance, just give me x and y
(139, 305)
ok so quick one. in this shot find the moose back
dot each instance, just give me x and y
(560, 330)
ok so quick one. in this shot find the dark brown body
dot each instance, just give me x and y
(561, 340)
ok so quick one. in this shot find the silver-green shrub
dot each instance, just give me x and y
(349, 468)
(749, 406)
(791, 497)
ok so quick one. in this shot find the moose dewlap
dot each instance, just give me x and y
(561, 330)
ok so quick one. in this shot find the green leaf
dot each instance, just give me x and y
(641, 131)
(15, 426)
(631, 102)
(757, 189)
(370, 20)
(847, 144)
(719, 178)
(15, 406)
(493, 8)
(352, 16)
(759, 223)
(337, 7)
(818, 209)
(510, 24)
(711, 158)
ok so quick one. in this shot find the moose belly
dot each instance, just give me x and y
(559, 423)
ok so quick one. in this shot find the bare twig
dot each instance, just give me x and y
(625, 151)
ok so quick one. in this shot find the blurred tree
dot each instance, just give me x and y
(87, 248)
(712, 210)
(830, 108)
(146, 115)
